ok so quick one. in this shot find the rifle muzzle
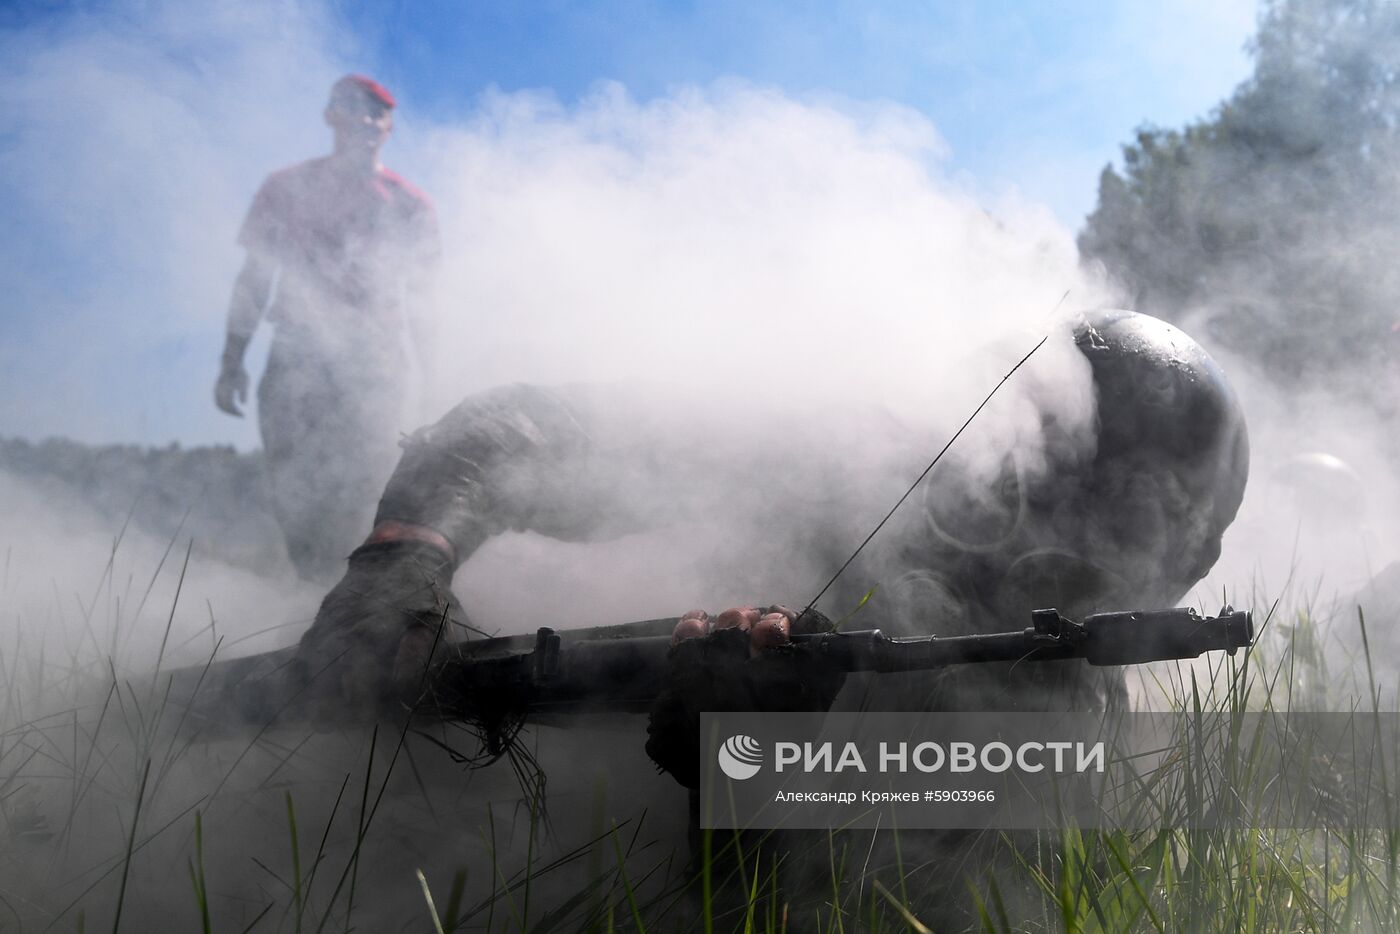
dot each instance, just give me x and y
(1134, 638)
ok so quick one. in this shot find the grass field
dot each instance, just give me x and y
(113, 820)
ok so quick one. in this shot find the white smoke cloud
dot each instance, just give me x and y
(1316, 522)
(729, 240)
(714, 230)
(77, 586)
(727, 234)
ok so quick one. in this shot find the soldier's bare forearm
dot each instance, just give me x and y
(235, 344)
(251, 293)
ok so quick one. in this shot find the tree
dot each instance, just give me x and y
(1272, 225)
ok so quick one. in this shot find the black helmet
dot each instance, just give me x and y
(1172, 458)
(1131, 516)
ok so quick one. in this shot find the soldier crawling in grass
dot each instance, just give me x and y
(1131, 516)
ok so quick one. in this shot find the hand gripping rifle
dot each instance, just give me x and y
(623, 668)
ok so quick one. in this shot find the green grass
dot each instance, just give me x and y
(102, 801)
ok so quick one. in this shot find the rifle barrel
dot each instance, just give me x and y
(623, 668)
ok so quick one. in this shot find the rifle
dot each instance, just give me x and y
(623, 668)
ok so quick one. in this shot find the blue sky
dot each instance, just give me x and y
(138, 131)
(1037, 95)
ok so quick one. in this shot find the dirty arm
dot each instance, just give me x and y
(516, 458)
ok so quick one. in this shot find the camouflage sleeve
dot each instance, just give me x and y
(514, 458)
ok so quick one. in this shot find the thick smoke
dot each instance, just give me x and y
(745, 256)
(720, 232)
(742, 254)
(729, 242)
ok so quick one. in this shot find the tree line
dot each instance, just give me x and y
(1272, 227)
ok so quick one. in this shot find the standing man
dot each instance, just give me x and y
(342, 256)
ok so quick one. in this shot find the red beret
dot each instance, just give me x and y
(361, 84)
